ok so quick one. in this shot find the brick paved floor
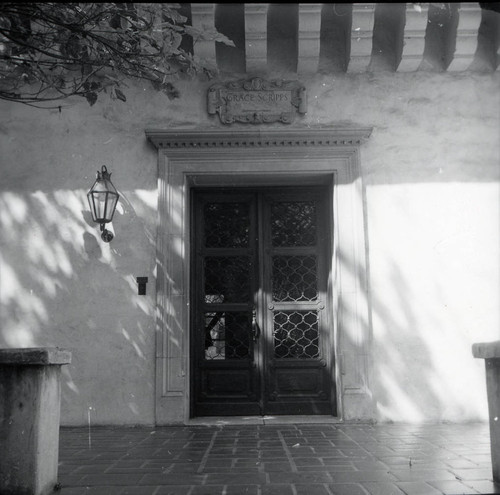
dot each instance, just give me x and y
(288, 459)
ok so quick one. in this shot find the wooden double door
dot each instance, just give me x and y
(261, 336)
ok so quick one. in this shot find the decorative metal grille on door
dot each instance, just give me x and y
(294, 278)
(296, 334)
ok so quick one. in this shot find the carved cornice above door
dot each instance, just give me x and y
(202, 139)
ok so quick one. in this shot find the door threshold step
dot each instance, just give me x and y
(262, 420)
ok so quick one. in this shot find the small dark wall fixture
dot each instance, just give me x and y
(141, 285)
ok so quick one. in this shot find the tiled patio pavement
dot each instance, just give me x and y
(287, 459)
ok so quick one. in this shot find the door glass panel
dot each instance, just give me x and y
(293, 223)
(296, 334)
(294, 278)
(227, 279)
(227, 335)
(227, 225)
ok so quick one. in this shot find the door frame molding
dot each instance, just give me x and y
(188, 158)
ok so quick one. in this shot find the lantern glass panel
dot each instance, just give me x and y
(97, 206)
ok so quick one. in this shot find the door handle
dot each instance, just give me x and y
(255, 326)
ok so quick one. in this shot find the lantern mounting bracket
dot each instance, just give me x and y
(106, 235)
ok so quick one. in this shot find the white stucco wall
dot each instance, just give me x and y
(430, 170)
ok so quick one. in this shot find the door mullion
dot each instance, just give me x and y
(267, 304)
(260, 298)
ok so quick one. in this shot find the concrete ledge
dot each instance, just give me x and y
(490, 352)
(30, 397)
(34, 356)
(486, 350)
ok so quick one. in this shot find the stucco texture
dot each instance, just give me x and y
(431, 197)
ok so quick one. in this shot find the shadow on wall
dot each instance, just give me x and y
(419, 371)
(420, 365)
(427, 301)
(62, 286)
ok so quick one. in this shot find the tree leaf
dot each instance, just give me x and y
(91, 97)
(120, 95)
(208, 34)
(171, 91)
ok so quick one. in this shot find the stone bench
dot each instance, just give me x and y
(490, 352)
(30, 402)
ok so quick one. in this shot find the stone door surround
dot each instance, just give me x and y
(188, 158)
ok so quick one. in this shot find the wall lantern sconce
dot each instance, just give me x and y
(102, 201)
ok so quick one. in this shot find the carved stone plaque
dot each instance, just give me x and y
(257, 101)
